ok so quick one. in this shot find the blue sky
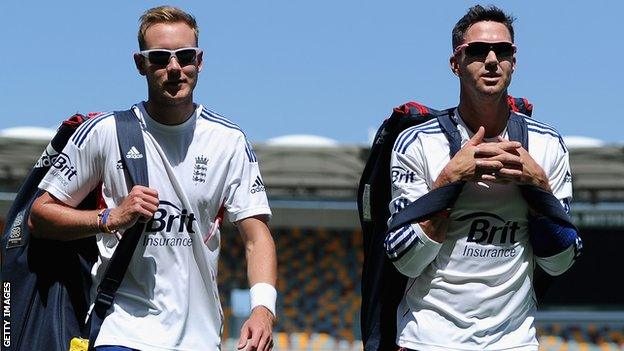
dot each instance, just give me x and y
(328, 68)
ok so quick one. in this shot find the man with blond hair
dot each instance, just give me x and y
(200, 165)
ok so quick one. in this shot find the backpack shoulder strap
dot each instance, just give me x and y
(131, 146)
(449, 127)
(517, 129)
(132, 150)
(539, 199)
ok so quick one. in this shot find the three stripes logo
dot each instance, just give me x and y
(134, 153)
(258, 186)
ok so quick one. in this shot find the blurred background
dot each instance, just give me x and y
(312, 182)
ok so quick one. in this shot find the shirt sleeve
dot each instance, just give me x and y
(560, 175)
(76, 171)
(245, 192)
(408, 247)
(560, 179)
(557, 264)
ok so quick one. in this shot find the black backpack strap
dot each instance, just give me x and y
(427, 205)
(517, 129)
(449, 127)
(538, 199)
(545, 203)
(133, 157)
(130, 139)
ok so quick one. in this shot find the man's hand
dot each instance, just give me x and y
(476, 159)
(141, 202)
(436, 227)
(527, 171)
(257, 331)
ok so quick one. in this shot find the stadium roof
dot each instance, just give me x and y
(302, 140)
(31, 133)
(322, 171)
(573, 142)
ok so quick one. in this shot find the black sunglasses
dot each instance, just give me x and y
(481, 49)
(161, 57)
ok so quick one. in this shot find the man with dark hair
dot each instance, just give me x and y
(471, 267)
(479, 13)
(200, 165)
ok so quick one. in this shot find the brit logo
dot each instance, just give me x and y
(170, 226)
(63, 168)
(200, 169)
(486, 227)
(490, 236)
(402, 175)
(258, 186)
(134, 153)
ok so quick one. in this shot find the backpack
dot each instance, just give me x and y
(382, 285)
(48, 282)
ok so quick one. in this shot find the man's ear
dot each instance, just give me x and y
(200, 61)
(139, 62)
(454, 65)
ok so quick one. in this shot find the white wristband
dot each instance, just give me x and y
(263, 294)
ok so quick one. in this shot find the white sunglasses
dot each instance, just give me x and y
(185, 56)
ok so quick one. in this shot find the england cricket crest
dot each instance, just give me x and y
(200, 169)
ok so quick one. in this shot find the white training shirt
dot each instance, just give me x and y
(473, 291)
(168, 299)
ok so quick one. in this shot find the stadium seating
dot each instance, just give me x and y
(318, 281)
(319, 295)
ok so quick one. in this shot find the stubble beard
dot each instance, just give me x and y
(163, 97)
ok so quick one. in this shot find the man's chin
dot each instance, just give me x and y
(177, 98)
(492, 90)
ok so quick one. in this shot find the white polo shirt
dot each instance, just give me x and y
(168, 299)
(473, 291)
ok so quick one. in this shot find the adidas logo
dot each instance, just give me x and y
(134, 153)
(258, 186)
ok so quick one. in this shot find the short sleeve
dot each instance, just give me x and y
(560, 177)
(76, 170)
(245, 192)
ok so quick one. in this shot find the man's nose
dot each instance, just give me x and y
(491, 59)
(173, 65)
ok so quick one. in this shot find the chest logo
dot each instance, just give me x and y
(488, 228)
(200, 169)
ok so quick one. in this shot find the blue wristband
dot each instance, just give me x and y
(105, 220)
(549, 238)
